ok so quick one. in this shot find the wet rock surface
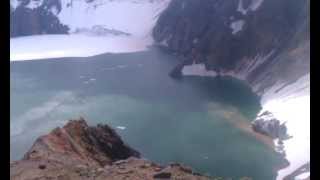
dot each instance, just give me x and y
(78, 151)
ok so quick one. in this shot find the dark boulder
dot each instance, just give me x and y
(162, 175)
(176, 72)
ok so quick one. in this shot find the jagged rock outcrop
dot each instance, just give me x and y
(78, 151)
(260, 41)
(267, 124)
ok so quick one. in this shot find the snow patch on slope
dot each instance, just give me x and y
(136, 17)
(236, 26)
(241, 9)
(303, 176)
(292, 104)
(255, 4)
(14, 3)
(33, 4)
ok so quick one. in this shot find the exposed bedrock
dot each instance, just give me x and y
(259, 41)
(78, 151)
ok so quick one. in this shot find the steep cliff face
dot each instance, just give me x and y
(78, 151)
(255, 40)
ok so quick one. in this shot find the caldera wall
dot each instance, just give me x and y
(266, 43)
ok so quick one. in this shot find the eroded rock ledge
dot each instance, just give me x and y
(78, 151)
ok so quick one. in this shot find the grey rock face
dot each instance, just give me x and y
(209, 32)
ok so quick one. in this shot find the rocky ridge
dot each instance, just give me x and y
(78, 151)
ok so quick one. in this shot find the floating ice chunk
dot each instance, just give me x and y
(121, 127)
(122, 66)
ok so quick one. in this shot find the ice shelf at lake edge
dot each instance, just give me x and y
(74, 45)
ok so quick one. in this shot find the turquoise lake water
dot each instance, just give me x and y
(191, 121)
